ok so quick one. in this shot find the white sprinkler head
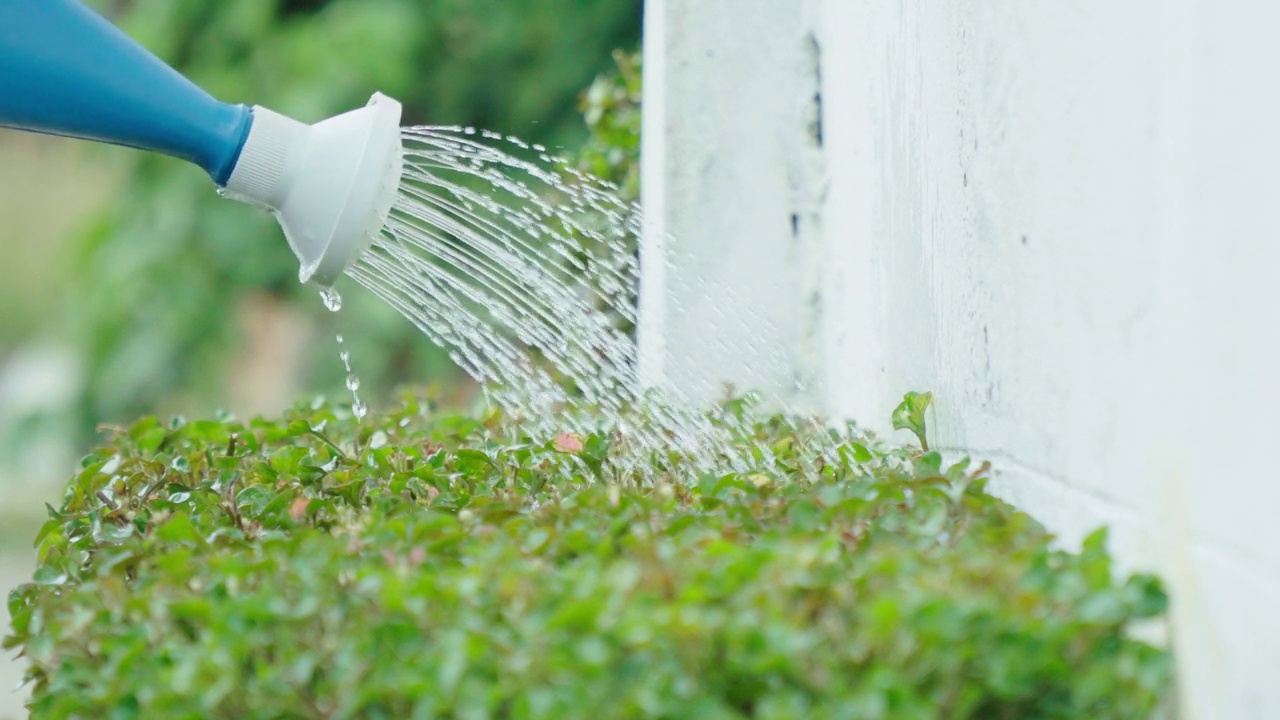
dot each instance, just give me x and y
(331, 185)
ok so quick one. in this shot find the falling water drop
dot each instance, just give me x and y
(358, 408)
(332, 300)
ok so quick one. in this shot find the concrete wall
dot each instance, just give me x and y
(1063, 218)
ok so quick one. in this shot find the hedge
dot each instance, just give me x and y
(420, 565)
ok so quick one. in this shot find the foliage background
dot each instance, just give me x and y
(172, 300)
(165, 266)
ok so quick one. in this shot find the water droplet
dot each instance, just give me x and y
(332, 300)
(353, 383)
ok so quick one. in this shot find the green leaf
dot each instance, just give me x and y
(288, 459)
(150, 441)
(1146, 596)
(909, 415)
(113, 533)
(179, 530)
(208, 432)
(48, 527)
(252, 500)
(46, 575)
(350, 492)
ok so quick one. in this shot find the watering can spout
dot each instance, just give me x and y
(65, 70)
(331, 185)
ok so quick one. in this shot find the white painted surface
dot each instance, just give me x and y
(1060, 217)
(743, 136)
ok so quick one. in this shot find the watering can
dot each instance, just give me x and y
(64, 70)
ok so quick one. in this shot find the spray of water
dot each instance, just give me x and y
(526, 270)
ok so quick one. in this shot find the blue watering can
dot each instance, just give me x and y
(65, 70)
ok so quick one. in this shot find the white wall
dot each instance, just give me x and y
(1060, 217)
(737, 125)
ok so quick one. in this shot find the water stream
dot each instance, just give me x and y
(526, 270)
(333, 303)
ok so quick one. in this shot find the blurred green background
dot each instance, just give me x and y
(129, 287)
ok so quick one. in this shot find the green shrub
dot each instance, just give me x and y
(421, 566)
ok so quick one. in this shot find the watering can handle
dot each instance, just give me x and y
(64, 70)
